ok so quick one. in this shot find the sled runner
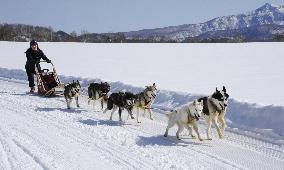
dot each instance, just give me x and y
(48, 83)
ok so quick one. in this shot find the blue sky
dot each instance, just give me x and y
(120, 15)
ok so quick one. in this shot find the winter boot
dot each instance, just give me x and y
(32, 90)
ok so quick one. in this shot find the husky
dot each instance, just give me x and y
(120, 100)
(214, 110)
(144, 100)
(72, 90)
(98, 91)
(184, 116)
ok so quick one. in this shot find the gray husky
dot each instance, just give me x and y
(120, 100)
(214, 110)
(144, 100)
(98, 91)
(72, 90)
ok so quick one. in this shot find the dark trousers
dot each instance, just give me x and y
(31, 78)
(30, 73)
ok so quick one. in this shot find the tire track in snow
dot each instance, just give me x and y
(54, 121)
(29, 153)
(135, 130)
(186, 151)
(257, 146)
(4, 159)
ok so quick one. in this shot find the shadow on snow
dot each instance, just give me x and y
(91, 122)
(164, 141)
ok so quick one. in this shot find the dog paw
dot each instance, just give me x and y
(78, 105)
(138, 122)
(193, 137)
(209, 138)
(132, 117)
(201, 139)
(165, 135)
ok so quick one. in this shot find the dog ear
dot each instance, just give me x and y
(154, 84)
(194, 102)
(217, 89)
(224, 89)
(73, 81)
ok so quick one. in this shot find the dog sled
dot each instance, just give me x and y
(48, 83)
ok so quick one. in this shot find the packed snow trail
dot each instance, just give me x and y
(40, 133)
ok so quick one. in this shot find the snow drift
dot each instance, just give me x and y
(264, 120)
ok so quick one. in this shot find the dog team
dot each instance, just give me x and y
(212, 108)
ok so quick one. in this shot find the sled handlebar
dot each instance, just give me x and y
(43, 61)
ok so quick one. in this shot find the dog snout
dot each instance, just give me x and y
(197, 117)
(225, 105)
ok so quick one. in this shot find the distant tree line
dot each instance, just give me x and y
(23, 33)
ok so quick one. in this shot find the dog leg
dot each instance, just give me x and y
(119, 112)
(190, 131)
(223, 123)
(150, 113)
(195, 127)
(208, 129)
(102, 104)
(113, 110)
(137, 114)
(94, 105)
(180, 129)
(170, 125)
(217, 127)
(77, 101)
(106, 109)
(68, 101)
(130, 113)
(144, 112)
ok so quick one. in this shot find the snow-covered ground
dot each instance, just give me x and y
(40, 133)
(252, 72)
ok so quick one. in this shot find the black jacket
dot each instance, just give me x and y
(33, 57)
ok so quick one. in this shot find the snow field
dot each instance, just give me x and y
(40, 133)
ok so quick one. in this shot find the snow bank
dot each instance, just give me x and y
(265, 120)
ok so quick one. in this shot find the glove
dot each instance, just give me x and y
(48, 61)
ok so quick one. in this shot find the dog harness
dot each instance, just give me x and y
(215, 106)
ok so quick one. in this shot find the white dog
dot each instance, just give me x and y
(185, 115)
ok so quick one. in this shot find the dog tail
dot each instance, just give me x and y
(168, 114)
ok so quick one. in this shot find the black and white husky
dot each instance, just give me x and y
(144, 100)
(214, 110)
(184, 116)
(72, 90)
(98, 91)
(120, 100)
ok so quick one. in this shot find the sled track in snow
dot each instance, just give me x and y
(128, 145)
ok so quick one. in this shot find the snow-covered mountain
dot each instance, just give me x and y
(265, 15)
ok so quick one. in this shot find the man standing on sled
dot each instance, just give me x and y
(33, 54)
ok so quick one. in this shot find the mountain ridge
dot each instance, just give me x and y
(266, 14)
